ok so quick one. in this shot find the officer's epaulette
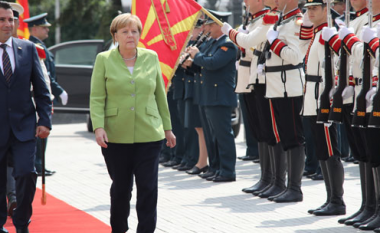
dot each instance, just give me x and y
(295, 17)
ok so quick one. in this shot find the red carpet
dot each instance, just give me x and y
(57, 216)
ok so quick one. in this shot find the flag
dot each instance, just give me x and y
(167, 26)
(23, 31)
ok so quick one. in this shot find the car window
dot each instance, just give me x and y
(76, 55)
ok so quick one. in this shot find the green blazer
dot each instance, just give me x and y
(131, 108)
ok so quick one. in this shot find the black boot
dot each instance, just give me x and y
(336, 205)
(364, 196)
(374, 221)
(323, 165)
(296, 164)
(279, 162)
(266, 170)
(369, 207)
(273, 169)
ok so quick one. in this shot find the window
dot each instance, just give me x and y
(77, 55)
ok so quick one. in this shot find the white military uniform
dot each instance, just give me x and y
(253, 43)
(315, 80)
(287, 56)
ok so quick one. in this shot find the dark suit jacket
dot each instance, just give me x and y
(17, 111)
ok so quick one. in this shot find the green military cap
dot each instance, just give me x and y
(38, 20)
(222, 16)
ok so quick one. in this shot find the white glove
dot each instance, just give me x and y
(343, 32)
(327, 33)
(369, 96)
(306, 21)
(64, 97)
(240, 29)
(378, 31)
(226, 28)
(260, 69)
(237, 65)
(332, 92)
(368, 34)
(272, 35)
(340, 23)
(348, 92)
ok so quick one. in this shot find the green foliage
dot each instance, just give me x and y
(79, 19)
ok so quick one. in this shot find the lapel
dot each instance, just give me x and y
(17, 51)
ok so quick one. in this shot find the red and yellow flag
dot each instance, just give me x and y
(167, 25)
(23, 31)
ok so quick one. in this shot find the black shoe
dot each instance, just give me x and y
(3, 230)
(248, 158)
(356, 161)
(196, 170)
(206, 175)
(170, 163)
(211, 178)
(184, 168)
(308, 173)
(223, 179)
(256, 160)
(289, 196)
(47, 173)
(319, 208)
(311, 175)
(163, 160)
(349, 159)
(12, 204)
(317, 177)
(331, 209)
(23, 230)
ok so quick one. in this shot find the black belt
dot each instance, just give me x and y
(282, 68)
(313, 78)
(358, 81)
(245, 63)
(257, 52)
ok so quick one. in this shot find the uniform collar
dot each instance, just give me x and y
(319, 28)
(257, 14)
(376, 18)
(361, 12)
(274, 9)
(291, 13)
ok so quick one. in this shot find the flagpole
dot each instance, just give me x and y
(216, 20)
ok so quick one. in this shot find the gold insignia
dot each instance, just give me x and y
(224, 48)
(19, 48)
(359, 14)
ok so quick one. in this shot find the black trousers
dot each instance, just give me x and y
(23, 154)
(325, 139)
(289, 126)
(125, 161)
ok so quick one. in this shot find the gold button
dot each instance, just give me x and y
(188, 81)
(200, 75)
(183, 79)
(201, 82)
(202, 67)
(215, 85)
(195, 81)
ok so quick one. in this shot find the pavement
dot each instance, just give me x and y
(187, 203)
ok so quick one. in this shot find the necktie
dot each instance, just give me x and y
(7, 68)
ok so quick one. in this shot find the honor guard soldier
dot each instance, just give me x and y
(284, 87)
(355, 135)
(218, 96)
(272, 179)
(325, 136)
(365, 45)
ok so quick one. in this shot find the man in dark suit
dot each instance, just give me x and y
(20, 68)
(218, 96)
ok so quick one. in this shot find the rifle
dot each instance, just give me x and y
(197, 44)
(374, 117)
(324, 106)
(358, 119)
(246, 20)
(337, 104)
(266, 53)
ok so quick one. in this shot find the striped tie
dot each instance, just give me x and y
(7, 68)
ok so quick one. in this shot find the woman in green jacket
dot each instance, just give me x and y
(130, 117)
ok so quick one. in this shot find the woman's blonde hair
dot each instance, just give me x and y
(124, 20)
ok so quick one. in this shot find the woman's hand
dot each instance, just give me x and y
(101, 137)
(170, 138)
